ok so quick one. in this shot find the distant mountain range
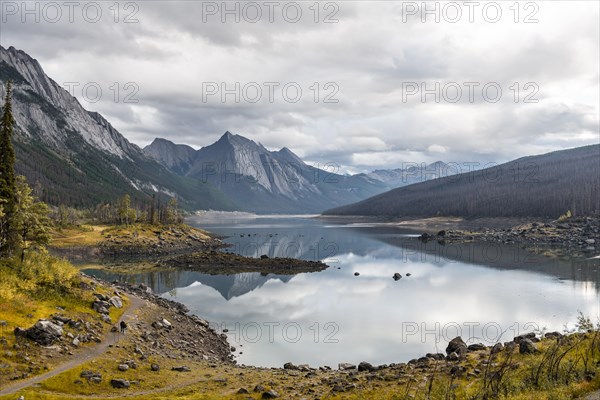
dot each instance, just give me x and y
(76, 157)
(537, 186)
(264, 181)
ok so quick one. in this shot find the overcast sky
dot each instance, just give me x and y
(368, 61)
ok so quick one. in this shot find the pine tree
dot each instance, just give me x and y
(7, 175)
(31, 221)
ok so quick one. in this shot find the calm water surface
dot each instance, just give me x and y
(485, 293)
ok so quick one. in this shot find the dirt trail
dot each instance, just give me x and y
(87, 355)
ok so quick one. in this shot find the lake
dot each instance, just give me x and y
(482, 292)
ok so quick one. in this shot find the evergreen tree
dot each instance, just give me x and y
(31, 218)
(2, 201)
(7, 176)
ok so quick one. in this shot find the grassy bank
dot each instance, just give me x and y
(40, 288)
(557, 372)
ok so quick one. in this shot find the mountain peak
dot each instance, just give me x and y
(235, 140)
(160, 141)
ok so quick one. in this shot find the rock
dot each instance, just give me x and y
(89, 374)
(20, 332)
(123, 367)
(76, 342)
(101, 297)
(435, 356)
(243, 391)
(116, 302)
(530, 335)
(457, 345)
(259, 388)
(166, 323)
(510, 346)
(526, 346)
(101, 306)
(304, 367)
(271, 394)
(453, 356)
(441, 233)
(120, 383)
(264, 257)
(289, 365)
(365, 366)
(155, 367)
(424, 237)
(408, 274)
(182, 368)
(476, 347)
(397, 276)
(61, 319)
(44, 332)
(157, 325)
(553, 335)
(498, 347)
(131, 364)
(356, 274)
(346, 366)
(590, 241)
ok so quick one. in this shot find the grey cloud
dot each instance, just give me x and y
(368, 54)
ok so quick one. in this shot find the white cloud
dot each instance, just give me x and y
(367, 57)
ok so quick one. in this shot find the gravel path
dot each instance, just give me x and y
(85, 356)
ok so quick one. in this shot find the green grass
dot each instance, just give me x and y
(37, 289)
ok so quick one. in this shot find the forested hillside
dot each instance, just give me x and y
(539, 186)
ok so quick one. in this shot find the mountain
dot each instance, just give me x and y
(177, 157)
(413, 173)
(537, 186)
(263, 181)
(76, 156)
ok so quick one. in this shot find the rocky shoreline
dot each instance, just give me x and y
(576, 237)
(220, 263)
(131, 248)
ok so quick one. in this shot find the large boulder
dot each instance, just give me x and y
(526, 346)
(365, 366)
(116, 302)
(458, 346)
(44, 332)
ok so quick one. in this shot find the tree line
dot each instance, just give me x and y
(124, 211)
